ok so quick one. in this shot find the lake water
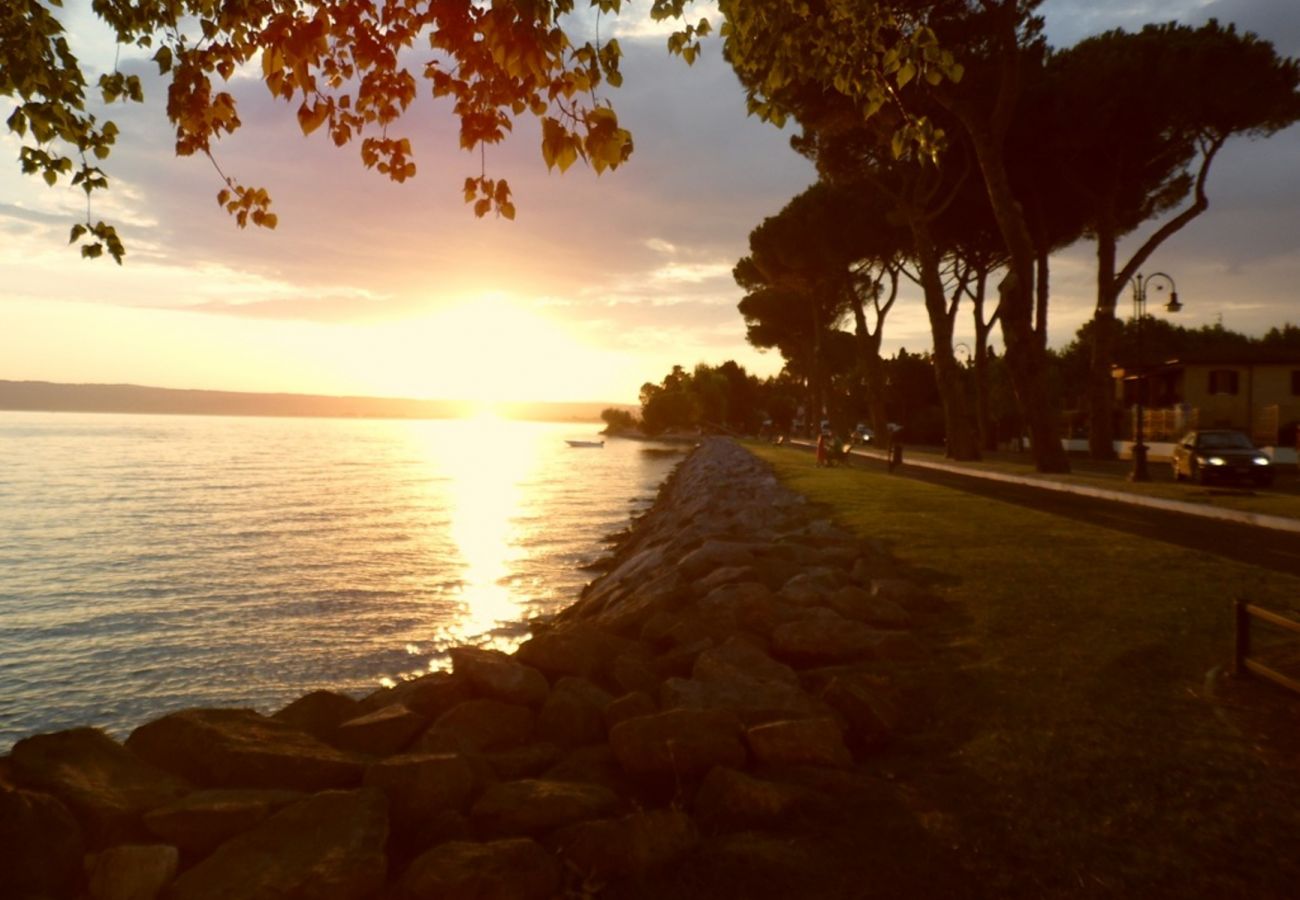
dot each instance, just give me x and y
(151, 563)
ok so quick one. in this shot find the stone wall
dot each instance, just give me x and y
(737, 643)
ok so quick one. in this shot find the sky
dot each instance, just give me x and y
(600, 284)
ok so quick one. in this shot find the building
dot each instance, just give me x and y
(1255, 393)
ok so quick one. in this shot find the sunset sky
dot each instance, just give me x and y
(601, 283)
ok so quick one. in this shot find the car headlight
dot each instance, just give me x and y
(1215, 461)
(1262, 461)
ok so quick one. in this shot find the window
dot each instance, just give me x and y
(1223, 381)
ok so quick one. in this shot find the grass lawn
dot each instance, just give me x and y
(1082, 736)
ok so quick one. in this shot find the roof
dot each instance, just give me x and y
(1263, 358)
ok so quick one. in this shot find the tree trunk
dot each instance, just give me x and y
(1026, 358)
(1041, 293)
(961, 440)
(873, 368)
(983, 415)
(1101, 385)
(816, 383)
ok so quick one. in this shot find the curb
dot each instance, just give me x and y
(1258, 520)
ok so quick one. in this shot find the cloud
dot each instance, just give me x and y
(22, 213)
(1069, 21)
(637, 260)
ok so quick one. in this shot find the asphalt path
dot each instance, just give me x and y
(1265, 547)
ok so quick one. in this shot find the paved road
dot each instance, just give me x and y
(1277, 550)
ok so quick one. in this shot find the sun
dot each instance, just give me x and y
(487, 350)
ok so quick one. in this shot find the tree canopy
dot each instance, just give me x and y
(351, 68)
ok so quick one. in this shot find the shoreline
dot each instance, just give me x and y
(728, 674)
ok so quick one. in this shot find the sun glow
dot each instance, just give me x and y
(491, 349)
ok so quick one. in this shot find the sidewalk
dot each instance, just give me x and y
(1276, 508)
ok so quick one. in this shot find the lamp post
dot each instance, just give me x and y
(1140, 286)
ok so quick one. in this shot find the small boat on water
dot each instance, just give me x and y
(585, 443)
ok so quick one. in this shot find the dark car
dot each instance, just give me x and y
(1205, 456)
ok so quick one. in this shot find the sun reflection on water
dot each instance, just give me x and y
(487, 470)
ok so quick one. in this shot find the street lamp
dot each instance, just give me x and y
(1140, 286)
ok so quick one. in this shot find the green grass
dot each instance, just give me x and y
(1083, 739)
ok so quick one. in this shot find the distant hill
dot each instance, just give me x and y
(44, 396)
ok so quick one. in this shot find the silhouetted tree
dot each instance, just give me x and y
(1133, 123)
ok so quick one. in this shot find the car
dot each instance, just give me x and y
(1210, 455)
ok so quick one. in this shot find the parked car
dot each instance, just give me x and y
(1219, 455)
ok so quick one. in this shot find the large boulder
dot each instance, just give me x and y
(636, 673)
(730, 799)
(501, 677)
(240, 748)
(723, 576)
(904, 592)
(418, 785)
(40, 846)
(380, 733)
(524, 761)
(739, 658)
(319, 712)
(812, 586)
(574, 713)
(824, 639)
(329, 846)
(751, 606)
(862, 606)
(515, 869)
(627, 612)
(105, 785)
(482, 724)
(750, 700)
(814, 742)
(868, 708)
(628, 847)
(198, 822)
(773, 572)
(429, 695)
(679, 742)
(576, 649)
(592, 764)
(629, 706)
(681, 659)
(132, 871)
(713, 555)
(533, 806)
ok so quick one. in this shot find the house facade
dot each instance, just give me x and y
(1259, 396)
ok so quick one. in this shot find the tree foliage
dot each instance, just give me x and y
(1134, 122)
(1097, 139)
(349, 68)
(616, 419)
(715, 398)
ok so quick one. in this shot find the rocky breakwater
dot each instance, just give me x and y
(737, 654)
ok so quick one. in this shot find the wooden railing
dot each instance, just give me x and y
(1242, 663)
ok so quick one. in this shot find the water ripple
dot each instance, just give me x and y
(153, 563)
